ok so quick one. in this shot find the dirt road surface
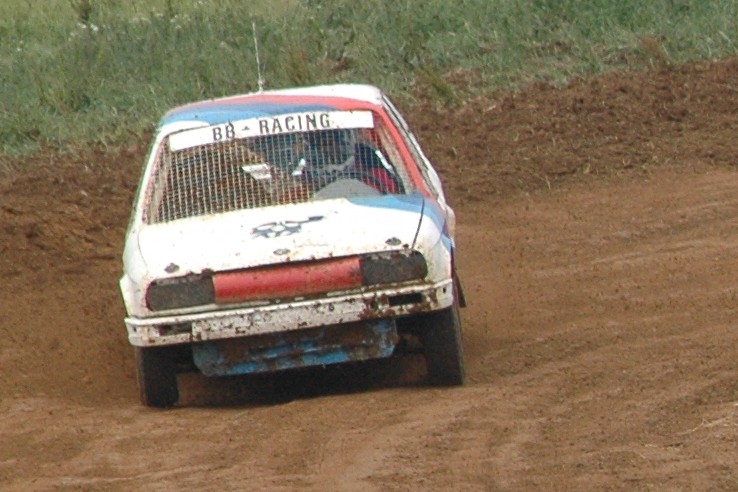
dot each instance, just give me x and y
(598, 240)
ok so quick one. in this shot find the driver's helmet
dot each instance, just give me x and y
(328, 150)
(281, 151)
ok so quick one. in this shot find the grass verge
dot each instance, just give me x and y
(103, 71)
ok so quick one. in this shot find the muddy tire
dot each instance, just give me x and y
(157, 376)
(444, 355)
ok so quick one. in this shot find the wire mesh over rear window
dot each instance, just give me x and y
(199, 174)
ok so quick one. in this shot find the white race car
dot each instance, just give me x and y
(285, 229)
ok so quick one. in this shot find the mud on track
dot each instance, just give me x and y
(598, 231)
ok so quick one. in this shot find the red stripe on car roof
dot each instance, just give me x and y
(343, 103)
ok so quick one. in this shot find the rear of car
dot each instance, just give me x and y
(287, 229)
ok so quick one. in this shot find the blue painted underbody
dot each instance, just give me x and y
(290, 350)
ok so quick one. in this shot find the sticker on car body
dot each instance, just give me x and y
(282, 228)
(271, 125)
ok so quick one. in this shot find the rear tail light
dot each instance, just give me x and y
(180, 292)
(393, 267)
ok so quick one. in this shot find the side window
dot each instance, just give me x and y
(389, 150)
(429, 174)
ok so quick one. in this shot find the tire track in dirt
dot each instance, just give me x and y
(432, 421)
(577, 363)
(620, 347)
(604, 357)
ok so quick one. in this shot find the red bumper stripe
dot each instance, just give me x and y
(288, 281)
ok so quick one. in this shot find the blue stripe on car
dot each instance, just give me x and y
(216, 113)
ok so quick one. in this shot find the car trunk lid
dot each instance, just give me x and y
(309, 231)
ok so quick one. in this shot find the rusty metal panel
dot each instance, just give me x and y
(257, 320)
(303, 348)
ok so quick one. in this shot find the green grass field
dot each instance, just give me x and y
(103, 71)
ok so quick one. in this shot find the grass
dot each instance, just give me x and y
(103, 71)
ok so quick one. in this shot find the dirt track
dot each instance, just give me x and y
(599, 242)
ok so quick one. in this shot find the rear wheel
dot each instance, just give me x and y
(157, 376)
(444, 355)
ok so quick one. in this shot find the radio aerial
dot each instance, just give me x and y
(260, 81)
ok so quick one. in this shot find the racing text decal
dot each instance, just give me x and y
(272, 125)
(295, 123)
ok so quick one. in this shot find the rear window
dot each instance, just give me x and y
(263, 162)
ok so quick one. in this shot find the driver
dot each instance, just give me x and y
(328, 151)
(332, 154)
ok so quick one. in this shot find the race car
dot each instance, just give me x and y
(284, 229)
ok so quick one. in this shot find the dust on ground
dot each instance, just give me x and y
(598, 237)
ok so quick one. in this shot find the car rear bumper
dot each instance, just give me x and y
(289, 316)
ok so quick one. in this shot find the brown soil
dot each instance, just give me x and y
(598, 239)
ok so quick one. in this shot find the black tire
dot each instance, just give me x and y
(444, 354)
(157, 376)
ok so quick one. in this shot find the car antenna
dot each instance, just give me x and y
(258, 61)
